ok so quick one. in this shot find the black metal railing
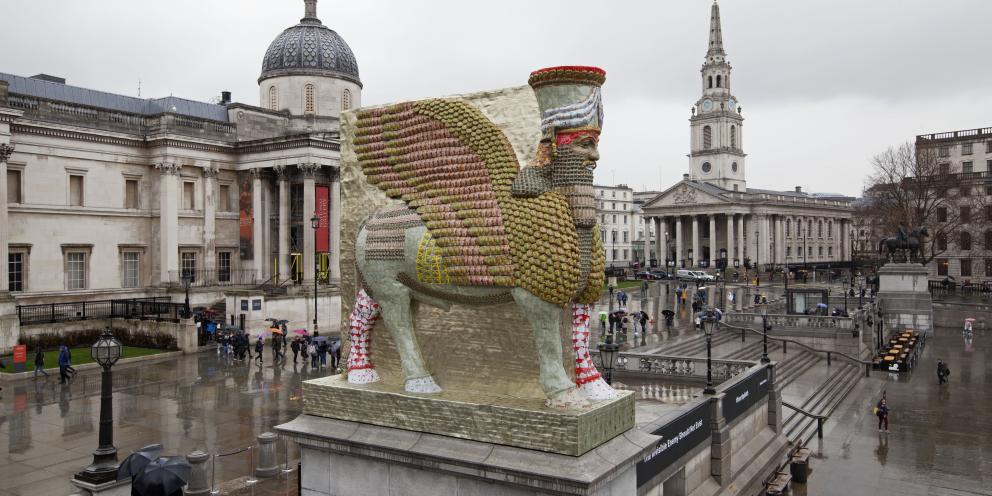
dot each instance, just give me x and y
(157, 308)
(941, 289)
(220, 277)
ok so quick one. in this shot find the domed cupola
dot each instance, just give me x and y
(309, 69)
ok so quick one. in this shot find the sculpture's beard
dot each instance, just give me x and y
(573, 178)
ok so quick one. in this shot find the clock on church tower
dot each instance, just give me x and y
(717, 153)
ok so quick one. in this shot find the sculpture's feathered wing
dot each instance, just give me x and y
(455, 168)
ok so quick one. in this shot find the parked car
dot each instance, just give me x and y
(645, 275)
(694, 275)
(660, 274)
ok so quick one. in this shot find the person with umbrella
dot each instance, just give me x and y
(335, 354)
(165, 476)
(276, 343)
(259, 346)
(295, 346)
(135, 463)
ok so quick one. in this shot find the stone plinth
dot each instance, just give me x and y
(343, 458)
(491, 418)
(905, 297)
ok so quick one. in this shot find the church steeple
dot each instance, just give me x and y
(717, 152)
(716, 34)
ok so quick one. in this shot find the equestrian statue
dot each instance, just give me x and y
(910, 243)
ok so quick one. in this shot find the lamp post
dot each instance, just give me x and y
(764, 333)
(607, 354)
(879, 324)
(709, 318)
(106, 351)
(187, 279)
(315, 223)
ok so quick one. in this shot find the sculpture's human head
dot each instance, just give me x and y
(571, 119)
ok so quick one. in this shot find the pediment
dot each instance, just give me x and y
(685, 193)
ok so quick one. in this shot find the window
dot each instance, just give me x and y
(965, 214)
(75, 274)
(819, 228)
(733, 167)
(941, 242)
(988, 267)
(625, 236)
(602, 218)
(614, 254)
(308, 105)
(187, 196)
(719, 80)
(988, 165)
(613, 194)
(225, 198)
(624, 219)
(224, 266)
(188, 265)
(788, 251)
(944, 151)
(707, 137)
(965, 267)
(733, 141)
(707, 167)
(941, 266)
(830, 251)
(810, 251)
(788, 227)
(625, 205)
(966, 149)
(75, 191)
(13, 186)
(710, 81)
(613, 206)
(967, 167)
(988, 187)
(988, 212)
(131, 193)
(614, 218)
(273, 98)
(602, 235)
(988, 147)
(132, 266)
(964, 241)
(346, 99)
(830, 229)
(965, 190)
(942, 214)
(988, 240)
(15, 271)
(819, 252)
(944, 169)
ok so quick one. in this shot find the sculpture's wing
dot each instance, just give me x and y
(452, 165)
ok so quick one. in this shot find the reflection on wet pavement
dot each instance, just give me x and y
(48, 431)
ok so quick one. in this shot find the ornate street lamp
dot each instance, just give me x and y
(106, 351)
(607, 354)
(764, 335)
(315, 223)
(187, 279)
(709, 318)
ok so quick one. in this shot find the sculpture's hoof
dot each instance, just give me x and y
(363, 376)
(424, 385)
(598, 390)
(567, 400)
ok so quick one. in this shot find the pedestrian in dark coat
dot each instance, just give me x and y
(295, 346)
(942, 372)
(63, 364)
(39, 362)
(644, 321)
(259, 346)
(882, 412)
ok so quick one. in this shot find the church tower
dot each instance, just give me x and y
(717, 153)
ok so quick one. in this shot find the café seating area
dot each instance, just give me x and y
(901, 351)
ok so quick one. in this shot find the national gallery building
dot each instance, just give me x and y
(712, 219)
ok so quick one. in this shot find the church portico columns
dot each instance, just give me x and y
(284, 262)
(679, 254)
(257, 225)
(5, 152)
(658, 248)
(210, 220)
(168, 220)
(696, 256)
(731, 253)
(714, 252)
(309, 171)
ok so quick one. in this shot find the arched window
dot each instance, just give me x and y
(733, 137)
(273, 98)
(707, 137)
(988, 240)
(965, 243)
(941, 242)
(346, 99)
(719, 79)
(711, 81)
(308, 104)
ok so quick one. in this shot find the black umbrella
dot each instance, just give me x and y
(135, 463)
(165, 476)
(667, 313)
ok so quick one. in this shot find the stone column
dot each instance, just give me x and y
(695, 240)
(210, 221)
(761, 230)
(199, 480)
(731, 255)
(168, 221)
(309, 208)
(257, 225)
(266, 464)
(679, 254)
(5, 152)
(740, 238)
(659, 236)
(714, 252)
(284, 264)
(646, 262)
(779, 240)
(335, 227)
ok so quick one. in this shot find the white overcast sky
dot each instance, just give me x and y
(824, 84)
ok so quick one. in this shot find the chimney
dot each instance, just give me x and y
(225, 97)
(685, 177)
(799, 189)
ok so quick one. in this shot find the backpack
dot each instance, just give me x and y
(311, 349)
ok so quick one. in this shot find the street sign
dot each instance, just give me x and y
(678, 437)
(741, 396)
(20, 358)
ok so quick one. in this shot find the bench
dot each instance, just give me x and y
(799, 465)
(779, 485)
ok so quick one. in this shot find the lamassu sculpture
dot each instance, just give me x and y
(474, 228)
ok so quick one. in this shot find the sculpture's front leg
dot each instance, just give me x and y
(587, 378)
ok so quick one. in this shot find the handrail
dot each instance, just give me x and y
(795, 408)
(801, 345)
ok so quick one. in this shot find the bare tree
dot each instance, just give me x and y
(912, 185)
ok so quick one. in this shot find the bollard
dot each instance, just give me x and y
(828, 358)
(198, 473)
(785, 347)
(267, 465)
(819, 427)
(867, 370)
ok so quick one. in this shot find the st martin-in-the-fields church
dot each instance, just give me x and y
(712, 219)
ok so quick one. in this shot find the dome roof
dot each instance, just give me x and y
(310, 48)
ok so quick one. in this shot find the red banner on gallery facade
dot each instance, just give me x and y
(323, 206)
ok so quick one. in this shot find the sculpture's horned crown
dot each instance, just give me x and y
(569, 100)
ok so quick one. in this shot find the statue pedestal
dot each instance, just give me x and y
(905, 297)
(478, 416)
